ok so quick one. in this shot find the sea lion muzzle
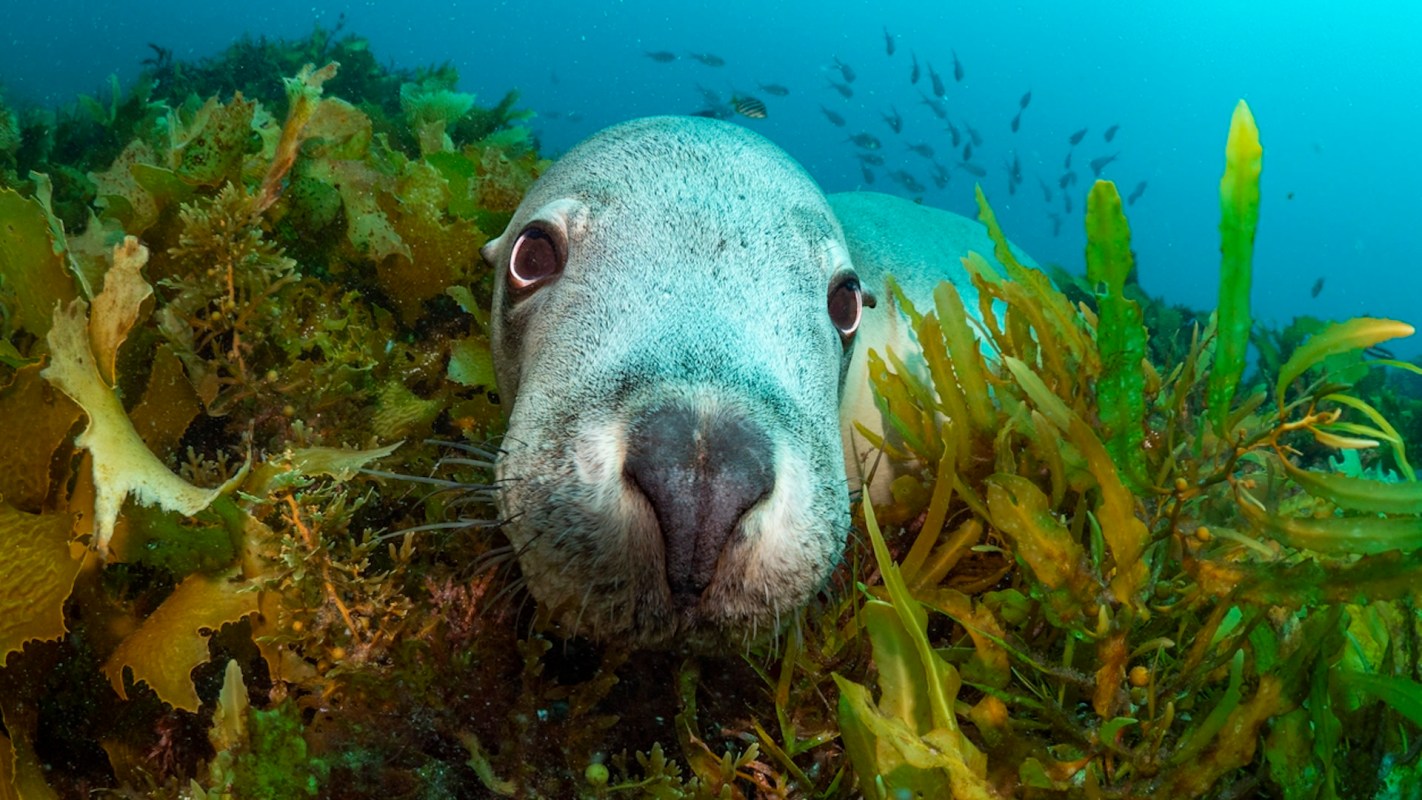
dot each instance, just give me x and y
(701, 472)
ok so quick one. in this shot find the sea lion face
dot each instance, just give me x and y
(673, 316)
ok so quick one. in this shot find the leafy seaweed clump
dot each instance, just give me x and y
(259, 567)
(1188, 609)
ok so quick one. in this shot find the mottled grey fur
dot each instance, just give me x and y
(699, 260)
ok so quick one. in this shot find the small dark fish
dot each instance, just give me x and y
(1026, 98)
(938, 90)
(710, 97)
(1067, 180)
(940, 175)
(1136, 193)
(774, 89)
(968, 151)
(888, 42)
(1017, 122)
(922, 149)
(842, 88)
(871, 158)
(866, 141)
(845, 70)
(709, 59)
(715, 112)
(1067, 164)
(749, 107)
(913, 74)
(895, 121)
(938, 107)
(1317, 288)
(1077, 137)
(972, 169)
(953, 131)
(907, 181)
(1015, 169)
(867, 173)
(1098, 164)
(662, 56)
(1066, 201)
(1056, 223)
(974, 135)
(1111, 132)
(835, 119)
(1046, 190)
(957, 68)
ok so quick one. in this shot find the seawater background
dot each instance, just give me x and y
(1335, 93)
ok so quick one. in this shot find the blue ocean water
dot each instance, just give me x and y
(1334, 94)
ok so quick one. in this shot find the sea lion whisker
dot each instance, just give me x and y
(485, 451)
(464, 462)
(443, 482)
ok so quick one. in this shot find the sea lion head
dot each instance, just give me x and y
(674, 310)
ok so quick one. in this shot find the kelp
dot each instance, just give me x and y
(1066, 614)
(1121, 336)
(1239, 215)
(1179, 590)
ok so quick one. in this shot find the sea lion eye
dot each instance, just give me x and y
(846, 307)
(535, 258)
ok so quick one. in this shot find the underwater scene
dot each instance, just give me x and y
(637, 400)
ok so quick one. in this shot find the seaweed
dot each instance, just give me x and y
(257, 277)
(1172, 605)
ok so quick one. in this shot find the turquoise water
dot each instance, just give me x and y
(1334, 93)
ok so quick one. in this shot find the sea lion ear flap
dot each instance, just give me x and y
(490, 250)
(869, 299)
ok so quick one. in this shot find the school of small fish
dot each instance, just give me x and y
(946, 142)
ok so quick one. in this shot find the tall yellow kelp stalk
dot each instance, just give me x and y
(1179, 591)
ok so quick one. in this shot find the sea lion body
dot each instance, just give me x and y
(674, 468)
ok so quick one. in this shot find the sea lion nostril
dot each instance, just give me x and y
(701, 473)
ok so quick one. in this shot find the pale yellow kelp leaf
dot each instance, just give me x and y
(123, 465)
(170, 643)
(116, 307)
(36, 575)
(21, 772)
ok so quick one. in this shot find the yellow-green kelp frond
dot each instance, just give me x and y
(1143, 582)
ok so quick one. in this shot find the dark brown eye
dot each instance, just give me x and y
(535, 258)
(846, 307)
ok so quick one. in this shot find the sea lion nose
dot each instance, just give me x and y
(701, 473)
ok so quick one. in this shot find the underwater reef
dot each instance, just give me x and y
(246, 540)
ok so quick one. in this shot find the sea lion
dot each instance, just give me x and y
(676, 318)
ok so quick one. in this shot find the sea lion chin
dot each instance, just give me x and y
(674, 311)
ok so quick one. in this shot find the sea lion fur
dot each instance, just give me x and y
(682, 370)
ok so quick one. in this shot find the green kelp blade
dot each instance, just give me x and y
(1390, 434)
(1335, 535)
(1051, 406)
(1359, 494)
(1125, 534)
(1040, 542)
(915, 623)
(1404, 695)
(902, 683)
(966, 355)
(1120, 334)
(1340, 337)
(1239, 216)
